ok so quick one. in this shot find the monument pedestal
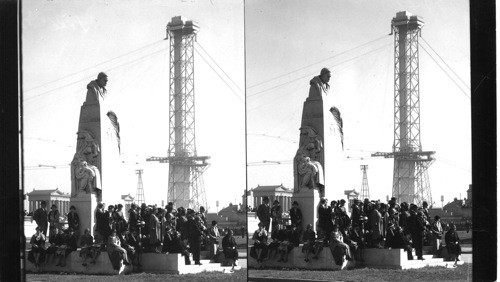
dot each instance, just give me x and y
(94, 119)
(85, 205)
(308, 200)
(316, 115)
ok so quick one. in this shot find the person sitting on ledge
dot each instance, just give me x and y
(72, 244)
(134, 241)
(229, 248)
(308, 237)
(61, 243)
(338, 247)
(319, 243)
(260, 242)
(88, 249)
(285, 245)
(294, 235)
(397, 240)
(272, 248)
(348, 236)
(358, 237)
(122, 236)
(51, 250)
(115, 252)
(37, 252)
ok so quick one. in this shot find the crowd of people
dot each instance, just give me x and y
(146, 229)
(372, 224)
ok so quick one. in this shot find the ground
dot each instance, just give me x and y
(240, 275)
(461, 273)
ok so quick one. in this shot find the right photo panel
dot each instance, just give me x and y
(358, 140)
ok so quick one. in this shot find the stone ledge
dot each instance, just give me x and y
(74, 264)
(372, 258)
(151, 263)
(296, 260)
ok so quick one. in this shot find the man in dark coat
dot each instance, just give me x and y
(194, 232)
(133, 218)
(296, 216)
(356, 214)
(41, 218)
(324, 219)
(403, 218)
(264, 213)
(417, 227)
(73, 219)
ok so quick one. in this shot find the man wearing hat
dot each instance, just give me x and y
(264, 213)
(41, 218)
(436, 234)
(417, 226)
(296, 216)
(276, 214)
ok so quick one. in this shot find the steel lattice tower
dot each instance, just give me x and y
(410, 177)
(140, 189)
(185, 182)
(365, 191)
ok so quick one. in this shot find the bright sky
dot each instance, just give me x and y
(67, 43)
(288, 42)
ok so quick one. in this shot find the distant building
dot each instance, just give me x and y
(231, 217)
(127, 203)
(274, 192)
(468, 201)
(351, 195)
(51, 197)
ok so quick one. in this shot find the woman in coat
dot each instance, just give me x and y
(229, 248)
(154, 230)
(453, 243)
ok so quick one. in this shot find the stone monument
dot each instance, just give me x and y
(95, 168)
(320, 149)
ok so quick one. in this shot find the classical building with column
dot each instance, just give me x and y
(274, 192)
(351, 195)
(51, 197)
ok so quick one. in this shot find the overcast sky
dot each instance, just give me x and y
(288, 42)
(67, 43)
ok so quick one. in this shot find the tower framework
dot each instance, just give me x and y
(185, 181)
(410, 177)
(365, 191)
(140, 189)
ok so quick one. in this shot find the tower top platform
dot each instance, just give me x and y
(182, 23)
(406, 18)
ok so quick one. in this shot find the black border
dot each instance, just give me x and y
(484, 157)
(12, 238)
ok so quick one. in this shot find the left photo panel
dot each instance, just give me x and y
(134, 139)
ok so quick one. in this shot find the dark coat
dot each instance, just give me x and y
(296, 216)
(41, 217)
(324, 218)
(264, 213)
(73, 220)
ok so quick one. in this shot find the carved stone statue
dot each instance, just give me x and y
(87, 177)
(85, 174)
(96, 93)
(308, 171)
(311, 143)
(96, 90)
(319, 84)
